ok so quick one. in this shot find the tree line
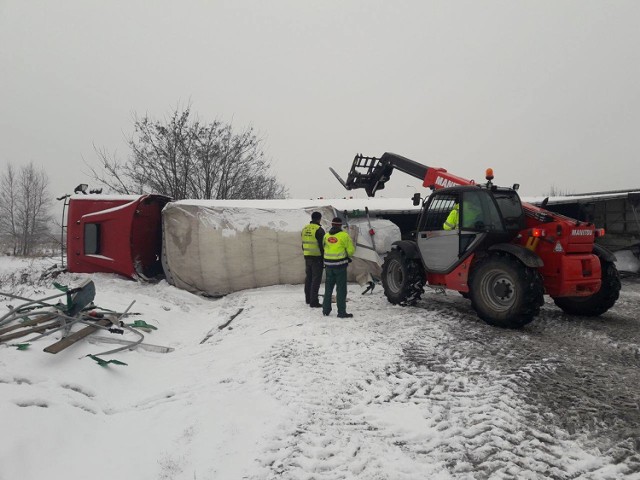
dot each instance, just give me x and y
(24, 209)
(180, 157)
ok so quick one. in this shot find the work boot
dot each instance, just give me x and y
(315, 305)
(345, 315)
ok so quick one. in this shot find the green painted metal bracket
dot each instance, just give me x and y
(104, 363)
(142, 325)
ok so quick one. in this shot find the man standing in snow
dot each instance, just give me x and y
(338, 248)
(312, 238)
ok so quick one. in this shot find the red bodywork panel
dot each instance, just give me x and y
(570, 267)
(437, 178)
(115, 234)
(456, 280)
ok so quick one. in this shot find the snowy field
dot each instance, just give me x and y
(281, 392)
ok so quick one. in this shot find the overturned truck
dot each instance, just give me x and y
(211, 247)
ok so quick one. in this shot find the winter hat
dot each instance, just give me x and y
(316, 216)
(336, 221)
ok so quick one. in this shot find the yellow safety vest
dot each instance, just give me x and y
(452, 220)
(310, 247)
(338, 247)
(471, 214)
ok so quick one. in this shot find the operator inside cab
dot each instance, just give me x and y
(472, 216)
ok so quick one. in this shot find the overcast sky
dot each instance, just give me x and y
(544, 92)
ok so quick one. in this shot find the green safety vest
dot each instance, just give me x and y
(338, 247)
(310, 247)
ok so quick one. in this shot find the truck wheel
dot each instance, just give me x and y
(402, 278)
(504, 292)
(599, 302)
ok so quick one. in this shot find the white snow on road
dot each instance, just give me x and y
(281, 392)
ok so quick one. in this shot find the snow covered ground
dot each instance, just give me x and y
(428, 392)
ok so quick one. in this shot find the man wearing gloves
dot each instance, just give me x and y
(338, 248)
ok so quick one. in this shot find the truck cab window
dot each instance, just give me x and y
(92, 239)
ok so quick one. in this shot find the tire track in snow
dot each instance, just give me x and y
(596, 386)
(328, 384)
(477, 414)
(573, 378)
(481, 402)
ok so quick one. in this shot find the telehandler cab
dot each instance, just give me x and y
(502, 254)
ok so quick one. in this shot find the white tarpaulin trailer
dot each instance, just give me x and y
(216, 250)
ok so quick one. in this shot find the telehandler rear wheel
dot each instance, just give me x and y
(504, 292)
(403, 279)
(599, 302)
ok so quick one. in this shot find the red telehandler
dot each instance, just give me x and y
(502, 254)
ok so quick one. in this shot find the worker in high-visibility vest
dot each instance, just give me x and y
(338, 249)
(312, 237)
(472, 215)
(451, 223)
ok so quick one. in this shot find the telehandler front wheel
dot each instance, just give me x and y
(403, 279)
(504, 292)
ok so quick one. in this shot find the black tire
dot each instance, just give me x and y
(599, 302)
(403, 279)
(504, 292)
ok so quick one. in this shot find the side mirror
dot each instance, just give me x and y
(416, 199)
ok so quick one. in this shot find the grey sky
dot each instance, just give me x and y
(545, 92)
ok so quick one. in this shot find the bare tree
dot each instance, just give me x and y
(162, 155)
(24, 203)
(8, 222)
(555, 191)
(207, 152)
(112, 173)
(242, 170)
(184, 158)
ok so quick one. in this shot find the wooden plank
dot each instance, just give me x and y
(28, 323)
(22, 333)
(74, 337)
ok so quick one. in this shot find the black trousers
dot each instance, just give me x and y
(313, 278)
